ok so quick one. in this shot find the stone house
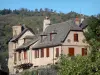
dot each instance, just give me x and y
(27, 50)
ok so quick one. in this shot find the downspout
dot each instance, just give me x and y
(53, 55)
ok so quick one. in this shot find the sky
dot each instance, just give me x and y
(87, 7)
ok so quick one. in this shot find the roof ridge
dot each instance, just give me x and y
(61, 22)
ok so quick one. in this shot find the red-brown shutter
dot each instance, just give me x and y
(35, 53)
(47, 52)
(76, 37)
(25, 55)
(38, 53)
(71, 51)
(84, 51)
(42, 52)
(57, 52)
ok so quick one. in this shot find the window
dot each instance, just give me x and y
(36, 53)
(19, 56)
(57, 52)
(42, 52)
(25, 55)
(47, 52)
(15, 59)
(76, 37)
(52, 35)
(84, 51)
(71, 51)
(43, 36)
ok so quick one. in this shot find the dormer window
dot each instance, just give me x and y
(52, 34)
(28, 38)
(42, 37)
(75, 37)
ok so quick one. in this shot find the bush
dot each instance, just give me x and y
(80, 65)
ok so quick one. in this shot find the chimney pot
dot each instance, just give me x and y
(77, 21)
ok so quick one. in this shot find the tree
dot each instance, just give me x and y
(93, 35)
(84, 65)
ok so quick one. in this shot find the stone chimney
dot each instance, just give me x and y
(46, 23)
(82, 18)
(77, 21)
(17, 29)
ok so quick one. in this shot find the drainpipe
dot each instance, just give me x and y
(53, 55)
(31, 55)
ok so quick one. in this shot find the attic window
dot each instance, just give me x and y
(52, 34)
(75, 37)
(42, 37)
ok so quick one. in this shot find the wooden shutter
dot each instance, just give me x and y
(25, 55)
(84, 51)
(36, 53)
(76, 37)
(71, 51)
(19, 56)
(57, 52)
(42, 52)
(47, 52)
(15, 59)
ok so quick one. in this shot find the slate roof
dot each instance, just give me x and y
(29, 37)
(62, 30)
(26, 45)
(24, 30)
(84, 24)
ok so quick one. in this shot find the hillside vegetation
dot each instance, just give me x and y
(31, 18)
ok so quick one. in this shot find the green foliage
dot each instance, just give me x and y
(93, 35)
(42, 71)
(80, 65)
(3, 60)
(84, 65)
